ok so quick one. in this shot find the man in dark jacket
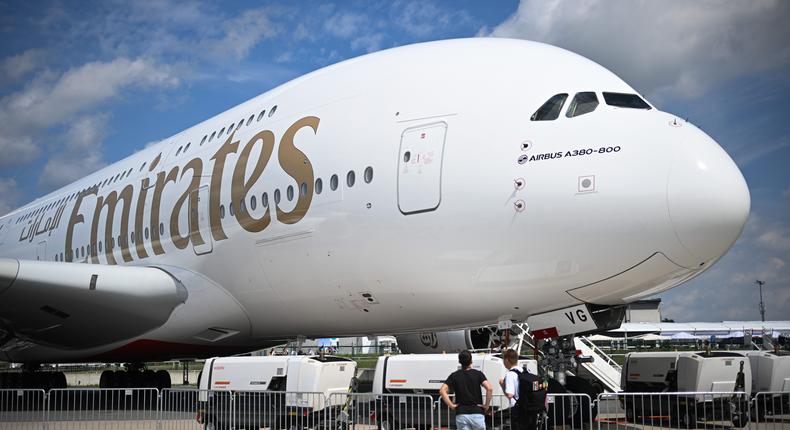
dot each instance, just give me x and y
(465, 383)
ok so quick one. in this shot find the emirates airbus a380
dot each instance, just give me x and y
(434, 186)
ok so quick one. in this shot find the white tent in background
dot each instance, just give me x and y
(650, 337)
(684, 336)
(734, 334)
(601, 338)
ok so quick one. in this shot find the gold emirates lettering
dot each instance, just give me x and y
(292, 160)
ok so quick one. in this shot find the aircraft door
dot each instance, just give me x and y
(204, 227)
(420, 168)
(3, 229)
(41, 250)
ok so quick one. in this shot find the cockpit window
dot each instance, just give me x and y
(631, 101)
(551, 109)
(581, 104)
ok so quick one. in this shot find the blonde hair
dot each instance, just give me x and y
(511, 357)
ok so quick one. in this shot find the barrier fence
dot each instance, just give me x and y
(175, 409)
(23, 409)
(772, 409)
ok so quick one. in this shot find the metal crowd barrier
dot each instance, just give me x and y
(567, 410)
(132, 408)
(262, 409)
(22, 409)
(359, 411)
(771, 409)
(178, 409)
(688, 410)
(175, 409)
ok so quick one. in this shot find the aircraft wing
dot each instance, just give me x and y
(72, 305)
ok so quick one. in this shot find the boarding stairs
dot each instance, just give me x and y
(602, 367)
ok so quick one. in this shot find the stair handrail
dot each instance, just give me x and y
(601, 353)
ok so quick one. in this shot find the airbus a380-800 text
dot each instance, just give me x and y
(433, 186)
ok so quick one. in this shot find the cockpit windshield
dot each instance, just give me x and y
(551, 109)
(582, 103)
(631, 101)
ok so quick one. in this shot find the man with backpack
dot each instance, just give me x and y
(465, 383)
(526, 392)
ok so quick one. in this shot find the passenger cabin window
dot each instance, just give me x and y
(581, 104)
(630, 101)
(551, 109)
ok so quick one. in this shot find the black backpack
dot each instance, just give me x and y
(531, 392)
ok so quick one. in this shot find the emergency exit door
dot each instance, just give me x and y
(41, 250)
(420, 168)
(204, 226)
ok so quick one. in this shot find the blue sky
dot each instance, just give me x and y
(85, 83)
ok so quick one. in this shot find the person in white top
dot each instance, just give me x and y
(510, 387)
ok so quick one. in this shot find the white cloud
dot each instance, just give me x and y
(242, 33)
(284, 57)
(368, 42)
(679, 47)
(16, 67)
(777, 237)
(80, 152)
(301, 33)
(727, 289)
(424, 18)
(753, 151)
(345, 24)
(50, 100)
(9, 195)
(17, 150)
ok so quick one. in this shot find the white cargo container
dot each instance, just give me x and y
(273, 390)
(424, 374)
(686, 372)
(770, 378)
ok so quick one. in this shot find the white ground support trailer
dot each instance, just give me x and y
(686, 372)
(425, 374)
(770, 375)
(274, 391)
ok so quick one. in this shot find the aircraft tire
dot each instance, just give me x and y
(107, 379)
(149, 379)
(163, 379)
(575, 384)
(59, 380)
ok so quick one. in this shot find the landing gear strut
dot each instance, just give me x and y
(560, 360)
(559, 357)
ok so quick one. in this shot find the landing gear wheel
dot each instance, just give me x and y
(688, 419)
(588, 408)
(148, 379)
(59, 380)
(104, 379)
(388, 423)
(163, 379)
(740, 420)
(563, 409)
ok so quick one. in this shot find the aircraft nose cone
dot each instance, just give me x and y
(708, 199)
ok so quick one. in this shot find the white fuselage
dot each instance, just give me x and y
(461, 234)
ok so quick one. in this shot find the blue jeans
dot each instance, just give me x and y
(470, 422)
